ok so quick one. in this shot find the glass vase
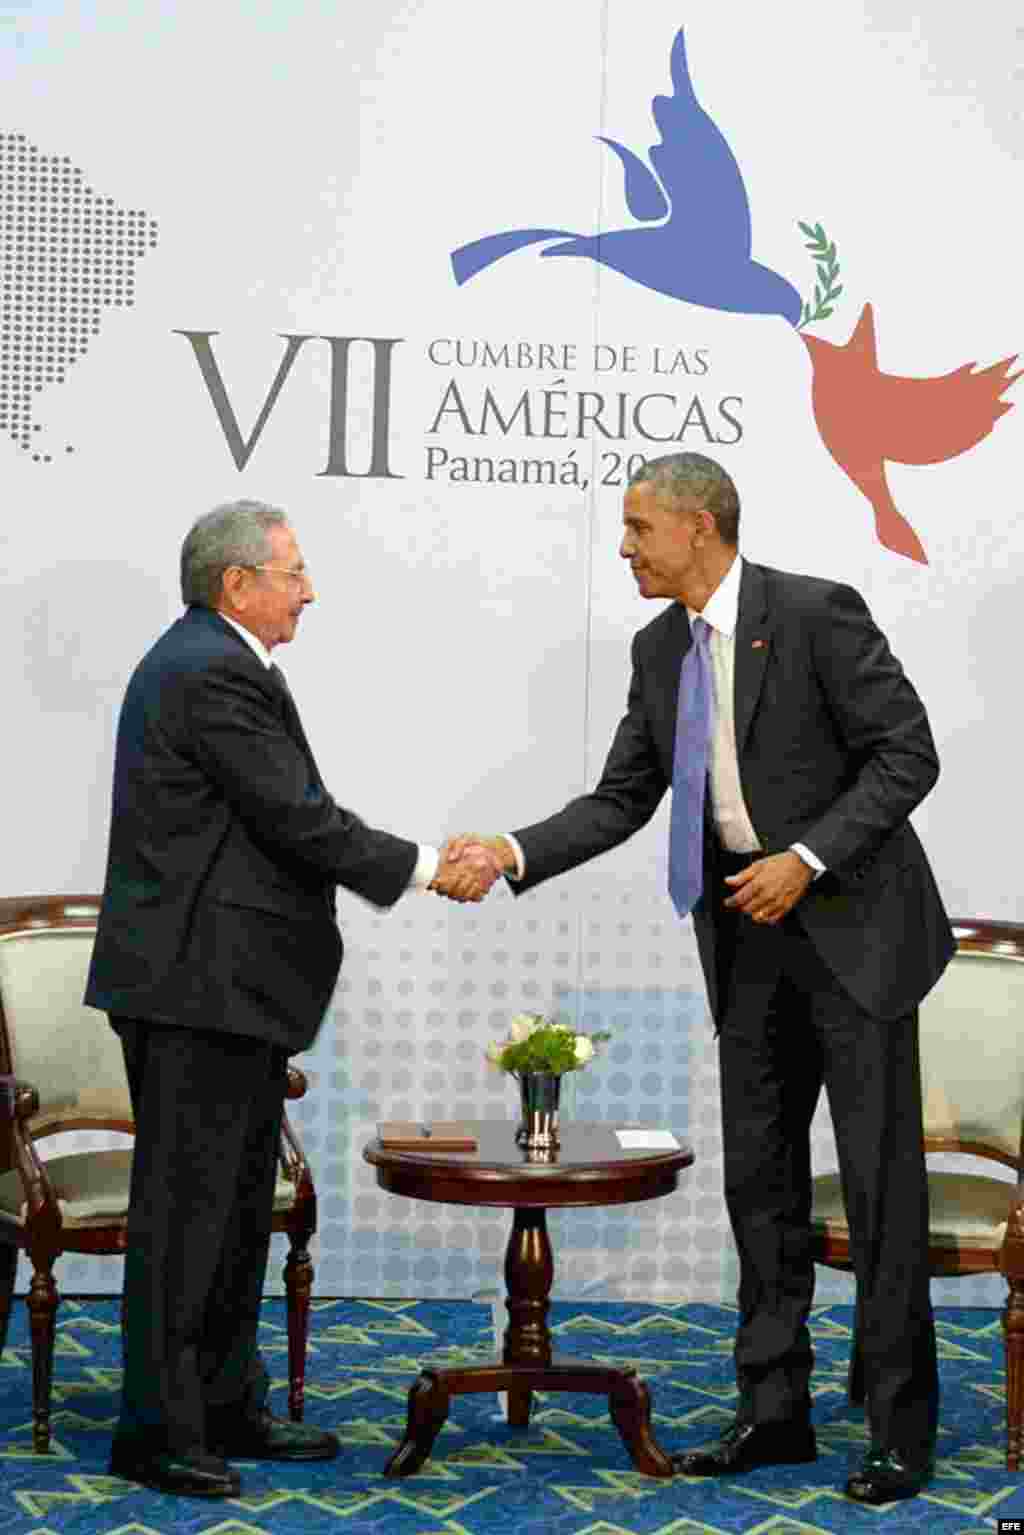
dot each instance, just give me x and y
(539, 1093)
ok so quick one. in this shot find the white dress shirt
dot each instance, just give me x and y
(728, 807)
(429, 857)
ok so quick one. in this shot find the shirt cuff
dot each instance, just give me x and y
(517, 853)
(426, 868)
(810, 859)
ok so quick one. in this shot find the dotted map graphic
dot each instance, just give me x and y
(66, 254)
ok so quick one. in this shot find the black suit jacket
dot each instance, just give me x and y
(834, 751)
(226, 849)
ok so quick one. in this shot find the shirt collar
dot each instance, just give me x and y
(256, 645)
(722, 609)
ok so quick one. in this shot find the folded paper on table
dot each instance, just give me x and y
(647, 1140)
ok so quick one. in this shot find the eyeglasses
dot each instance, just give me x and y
(300, 577)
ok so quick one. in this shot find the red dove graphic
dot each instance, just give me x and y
(865, 416)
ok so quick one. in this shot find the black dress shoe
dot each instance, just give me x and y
(264, 1437)
(887, 1475)
(746, 1445)
(182, 1473)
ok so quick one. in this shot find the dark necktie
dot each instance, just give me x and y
(689, 772)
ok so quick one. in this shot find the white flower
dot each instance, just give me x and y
(584, 1049)
(522, 1026)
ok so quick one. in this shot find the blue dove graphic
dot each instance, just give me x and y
(696, 243)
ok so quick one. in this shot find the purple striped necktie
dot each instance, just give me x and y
(689, 772)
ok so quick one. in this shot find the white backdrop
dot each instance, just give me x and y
(306, 171)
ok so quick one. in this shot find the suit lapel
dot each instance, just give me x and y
(292, 722)
(668, 660)
(753, 643)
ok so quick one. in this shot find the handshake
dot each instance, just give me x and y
(470, 865)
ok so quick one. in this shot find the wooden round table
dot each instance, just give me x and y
(589, 1168)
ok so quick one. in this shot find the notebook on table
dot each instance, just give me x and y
(435, 1135)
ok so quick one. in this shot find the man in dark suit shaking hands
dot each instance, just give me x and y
(216, 955)
(796, 749)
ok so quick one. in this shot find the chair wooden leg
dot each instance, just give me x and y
(1013, 1332)
(8, 1268)
(42, 1309)
(298, 1284)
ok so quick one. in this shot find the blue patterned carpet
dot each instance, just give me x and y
(566, 1475)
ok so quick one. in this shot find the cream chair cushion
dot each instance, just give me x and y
(68, 1052)
(972, 1052)
(966, 1210)
(72, 1056)
(92, 1189)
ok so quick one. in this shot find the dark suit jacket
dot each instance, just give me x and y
(226, 849)
(834, 751)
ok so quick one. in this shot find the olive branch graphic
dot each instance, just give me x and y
(823, 251)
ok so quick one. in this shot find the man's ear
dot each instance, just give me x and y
(233, 587)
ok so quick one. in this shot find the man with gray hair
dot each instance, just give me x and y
(216, 955)
(795, 749)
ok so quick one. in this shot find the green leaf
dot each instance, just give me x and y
(547, 1049)
(826, 271)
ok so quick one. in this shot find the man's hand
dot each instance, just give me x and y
(468, 874)
(770, 888)
(471, 844)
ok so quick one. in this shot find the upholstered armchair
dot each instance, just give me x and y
(972, 1074)
(61, 1068)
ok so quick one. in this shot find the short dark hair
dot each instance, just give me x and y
(692, 474)
(234, 533)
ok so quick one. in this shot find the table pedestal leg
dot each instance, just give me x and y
(426, 1412)
(629, 1403)
(527, 1365)
(529, 1272)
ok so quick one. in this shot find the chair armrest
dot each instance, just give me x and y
(18, 1100)
(1011, 1254)
(290, 1153)
(300, 1221)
